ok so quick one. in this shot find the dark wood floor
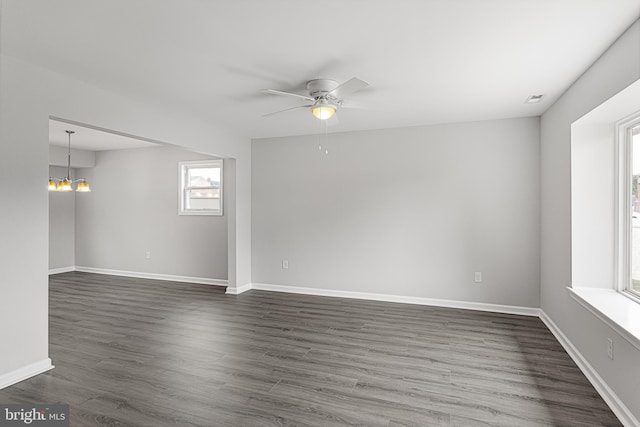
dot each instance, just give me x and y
(133, 352)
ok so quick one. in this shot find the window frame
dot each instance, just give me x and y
(183, 168)
(624, 206)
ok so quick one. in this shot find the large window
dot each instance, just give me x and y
(628, 225)
(631, 134)
(200, 187)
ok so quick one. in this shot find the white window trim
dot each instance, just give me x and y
(181, 176)
(622, 279)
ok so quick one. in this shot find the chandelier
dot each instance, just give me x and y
(64, 184)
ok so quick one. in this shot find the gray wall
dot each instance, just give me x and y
(133, 208)
(29, 96)
(79, 158)
(62, 218)
(615, 70)
(408, 212)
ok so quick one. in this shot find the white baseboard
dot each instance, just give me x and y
(154, 276)
(25, 372)
(61, 270)
(496, 308)
(237, 290)
(617, 406)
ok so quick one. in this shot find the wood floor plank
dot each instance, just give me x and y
(139, 352)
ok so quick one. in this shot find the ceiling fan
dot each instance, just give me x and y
(325, 96)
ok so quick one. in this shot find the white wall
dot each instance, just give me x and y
(615, 70)
(592, 223)
(62, 215)
(133, 208)
(409, 212)
(29, 95)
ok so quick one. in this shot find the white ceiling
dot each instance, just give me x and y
(91, 139)
(427, 61)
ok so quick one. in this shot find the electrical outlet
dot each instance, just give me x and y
(147, 255)
(610, 348)
(478, 277)
(285, 264)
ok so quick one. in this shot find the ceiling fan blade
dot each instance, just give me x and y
(288, 109)
(297, 95)
(350, 104)
(347, 88)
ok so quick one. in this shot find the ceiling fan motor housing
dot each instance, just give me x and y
(319, 88)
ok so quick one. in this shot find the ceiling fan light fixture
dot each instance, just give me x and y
(323, 110)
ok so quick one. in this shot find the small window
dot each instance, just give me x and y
(200, 187)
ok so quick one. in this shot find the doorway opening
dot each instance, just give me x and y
(129, 224)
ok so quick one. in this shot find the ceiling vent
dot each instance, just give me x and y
(533, 99)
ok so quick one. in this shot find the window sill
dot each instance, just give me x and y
(616, 310)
